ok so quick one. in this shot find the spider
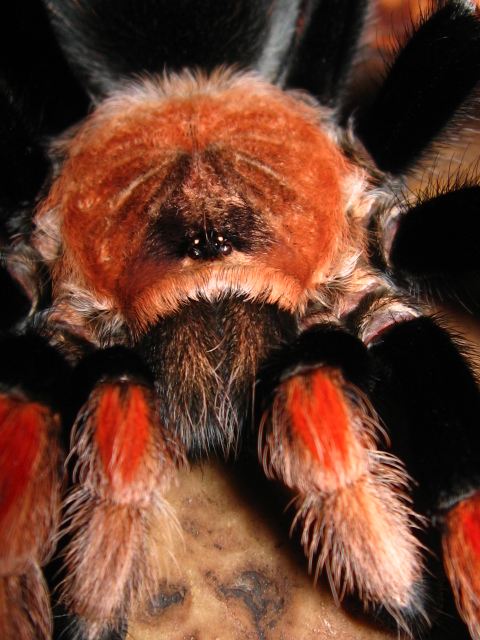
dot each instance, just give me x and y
(210, 244)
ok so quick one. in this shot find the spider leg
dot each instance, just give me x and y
(107, 41)
(32, 396)
(23, 164)
(414, 104)
(39, 97)
(325, 48)
(430, 402)
(33, 70)
(320, 436)
(118, 524)
(18, 302)
(432, 243)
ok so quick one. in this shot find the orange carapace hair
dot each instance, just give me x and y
(203, 148)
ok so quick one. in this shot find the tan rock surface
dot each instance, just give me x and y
(237, 574)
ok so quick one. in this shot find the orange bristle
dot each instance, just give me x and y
(29, 515)
(321, 441)
(122, 433)
(318, 415)
(120, 523)
(461, 551)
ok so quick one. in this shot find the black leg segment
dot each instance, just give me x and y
(430, 402)
(430, 79)
(325, 48)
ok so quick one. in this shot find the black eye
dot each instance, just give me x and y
(222, 245)
(196, 249)
(209, 245)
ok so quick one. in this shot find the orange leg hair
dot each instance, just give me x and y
(125, 463)
(320, 438)
(29, 515)
(461, 549)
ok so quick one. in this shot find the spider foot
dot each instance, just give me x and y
(461, 550)
(117, 519)
(29, 514)
(320, 437)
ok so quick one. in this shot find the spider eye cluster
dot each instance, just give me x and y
(209, 245)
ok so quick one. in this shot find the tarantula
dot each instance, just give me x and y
(204, 229)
